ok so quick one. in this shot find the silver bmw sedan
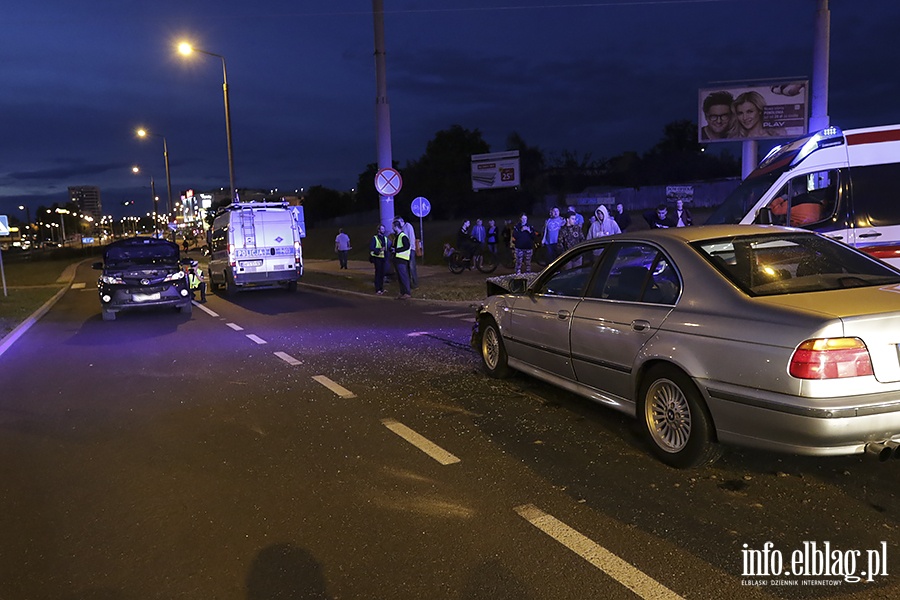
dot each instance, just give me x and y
(760, 336)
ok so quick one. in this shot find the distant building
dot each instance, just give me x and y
(87, 197)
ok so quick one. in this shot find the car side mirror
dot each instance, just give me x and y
(98, 266)
(519, 285)
(763, 216)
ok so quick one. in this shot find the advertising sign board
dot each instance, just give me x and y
(495, 170)
(770, 110)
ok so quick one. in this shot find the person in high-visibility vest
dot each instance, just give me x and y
(377, 254)
(402, 250)
(196, 283)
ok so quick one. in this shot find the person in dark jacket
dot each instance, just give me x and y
(623, 219)
(523, 242)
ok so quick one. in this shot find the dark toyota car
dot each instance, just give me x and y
(142, 272)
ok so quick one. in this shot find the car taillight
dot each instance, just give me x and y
(831, 358)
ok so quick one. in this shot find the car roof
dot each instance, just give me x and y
(698, 233)
(141, 241)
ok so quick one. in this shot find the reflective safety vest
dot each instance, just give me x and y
(193, 280)
(403, 254)
(378, 252)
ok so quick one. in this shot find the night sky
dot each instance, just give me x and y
(597, 78)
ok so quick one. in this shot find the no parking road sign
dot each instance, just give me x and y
(388, 182)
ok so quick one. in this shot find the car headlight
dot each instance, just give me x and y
(175, 276)
(111, 280)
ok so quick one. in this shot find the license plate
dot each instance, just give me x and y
(145, 297)
(251, 263)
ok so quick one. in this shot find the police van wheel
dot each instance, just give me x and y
(291, 286)
(230, 286)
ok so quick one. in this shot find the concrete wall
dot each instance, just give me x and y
(708, 194)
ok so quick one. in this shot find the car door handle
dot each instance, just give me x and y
(563, 315)
(640, 325)
(870, 235)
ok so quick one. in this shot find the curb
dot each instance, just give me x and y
(65, 279)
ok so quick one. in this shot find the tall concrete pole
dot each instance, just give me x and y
(382, 113)
(819, 118)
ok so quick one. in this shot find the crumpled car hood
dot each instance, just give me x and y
(502, 284)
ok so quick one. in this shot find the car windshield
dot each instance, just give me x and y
(141, 253)
(744, 197)
(770, 265)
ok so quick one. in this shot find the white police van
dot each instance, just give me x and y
(256, 244)
(843, 184)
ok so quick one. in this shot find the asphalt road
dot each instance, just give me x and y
(325, 445)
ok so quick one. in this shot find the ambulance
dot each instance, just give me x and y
(256, 245)
(842, 184)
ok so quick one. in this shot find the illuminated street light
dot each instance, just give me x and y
(187, 49)
(142, 133)
(27, 216)
(136, 170)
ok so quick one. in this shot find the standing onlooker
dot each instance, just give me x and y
(659, 219)
(623, 219)
(478, 233)
(410, 232)
(571, 234)
(490, 236)
(682, 217)
(402, 251)
(523, 241)
(464, 242)
(342, 246)
(377, 253)
(602, 224)
(579, 220)
(550, 238)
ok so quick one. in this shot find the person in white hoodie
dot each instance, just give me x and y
(602, 224)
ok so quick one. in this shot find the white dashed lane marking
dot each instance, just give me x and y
(256, 338)
(235, 326)
(631, 577)
(288, 358)
(78, 286)
(420, 442)
(334, 387)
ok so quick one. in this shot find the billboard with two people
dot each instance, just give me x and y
(753, 112)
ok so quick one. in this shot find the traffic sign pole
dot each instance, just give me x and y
(421, 207)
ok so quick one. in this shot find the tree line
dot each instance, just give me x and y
(443, 173)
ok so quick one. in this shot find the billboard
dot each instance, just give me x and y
(776, 110)
(495, 170)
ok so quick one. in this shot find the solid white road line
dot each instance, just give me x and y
(337, 389)
(208, 311)
(634, 579)
(256, 338)
(288, 358)
(235, 326)
(420, 442)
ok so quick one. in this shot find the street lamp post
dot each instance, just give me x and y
(62, 225)
(135, 169)
(27, 216)
(186, 49)
(145, 133)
